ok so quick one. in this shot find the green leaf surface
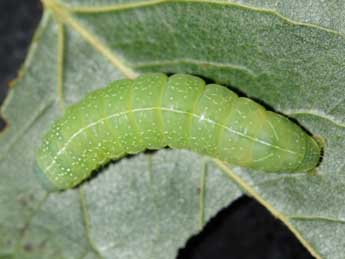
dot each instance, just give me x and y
(289, 55)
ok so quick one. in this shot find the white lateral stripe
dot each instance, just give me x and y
(162, 109)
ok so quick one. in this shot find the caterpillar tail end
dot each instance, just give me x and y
(44, 180)
(312, 156)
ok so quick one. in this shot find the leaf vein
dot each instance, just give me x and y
(138, 4)
(64, 15)
(60, 64)
(316, 113)
(202, 193)
(316, 217)
(250, 190)
(204, 63)
(86, 221)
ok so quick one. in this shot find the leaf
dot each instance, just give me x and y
(148, 205)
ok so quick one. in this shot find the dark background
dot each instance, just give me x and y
(243, 230)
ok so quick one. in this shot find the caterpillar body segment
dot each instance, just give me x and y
(180, 111)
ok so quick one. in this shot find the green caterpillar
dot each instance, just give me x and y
(180, 111)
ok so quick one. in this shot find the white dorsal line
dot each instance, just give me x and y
(162, 109)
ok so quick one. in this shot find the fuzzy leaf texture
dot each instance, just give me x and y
(287, 54)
